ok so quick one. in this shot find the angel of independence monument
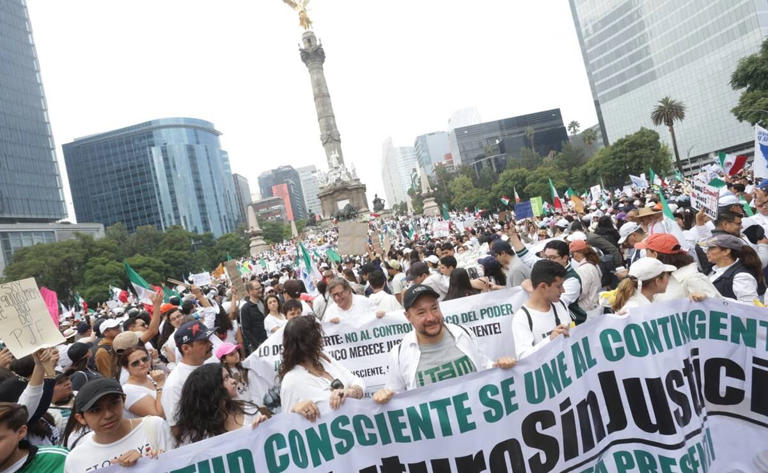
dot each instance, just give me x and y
(339, 186)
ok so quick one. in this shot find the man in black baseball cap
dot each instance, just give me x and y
(434, 350)
(193, 341)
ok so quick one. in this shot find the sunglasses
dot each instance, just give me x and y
(139, 362)
(337, 384)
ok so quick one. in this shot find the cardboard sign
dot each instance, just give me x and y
(234, 276)
(704, 196)
(25, 323)
(353, 238)
(387, 245)
(596, 192)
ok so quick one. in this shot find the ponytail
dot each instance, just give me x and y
(624, 291)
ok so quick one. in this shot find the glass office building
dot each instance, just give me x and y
(293, 191)
(492, 143)
(30, 184)
(163, 172)
(639, 51)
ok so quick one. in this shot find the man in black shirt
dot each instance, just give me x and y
(252, 317)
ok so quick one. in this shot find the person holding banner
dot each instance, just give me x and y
(309, 377)
(433, 350)
(544, 316)
(116, 439)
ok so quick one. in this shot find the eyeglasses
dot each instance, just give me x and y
(139, 362)
(552, 257)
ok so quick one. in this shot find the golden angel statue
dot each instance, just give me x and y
(301, 7)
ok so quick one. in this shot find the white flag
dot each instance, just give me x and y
(760, 165)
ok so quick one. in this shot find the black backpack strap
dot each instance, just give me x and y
(530, 321)
(557, 319)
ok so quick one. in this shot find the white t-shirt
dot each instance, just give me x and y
(300, 385)
(360, 306)
(384, 301)
(133, 394)
(529, 340)
(271, 322)
(172, 389)
(152, 433)
(397, 284)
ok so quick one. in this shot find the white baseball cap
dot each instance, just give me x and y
(648, 268)
(626, 230)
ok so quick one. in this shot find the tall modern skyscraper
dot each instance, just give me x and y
(310, 187)
(30, 183)
(242, 196)
(398, 164)
(170, 171)
(271, 185)
(638, 51)
(432, 149)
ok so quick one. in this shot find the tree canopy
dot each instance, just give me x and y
(752, 75)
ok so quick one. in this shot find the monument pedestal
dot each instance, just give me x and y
(336, 195)
(257, 245)
(431, 209)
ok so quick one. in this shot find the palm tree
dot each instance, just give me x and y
(589, 136)
(667, 112)
(573, 127)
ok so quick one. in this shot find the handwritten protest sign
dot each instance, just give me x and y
(704, 196)
(200, 279)
(353, 238)
(25, 323)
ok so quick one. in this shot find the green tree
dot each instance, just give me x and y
(417, 200)
(100, 273)
(573, 127)
(633, 154)
(667, 112)
(465, 194)
(442, 179)
(569, 158)
(152, 269)
(143, 241)
(509, 181)
(530, 133)
(273, 231)
(57, 266)
(538, 181)
(752, 75)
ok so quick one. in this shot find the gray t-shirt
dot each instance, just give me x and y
(442, 360)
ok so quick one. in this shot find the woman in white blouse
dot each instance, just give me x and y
(737, 272)
(310, 378)
(144, 387)
(274, 319)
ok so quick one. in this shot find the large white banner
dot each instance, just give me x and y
(362, 343)
(674, 387)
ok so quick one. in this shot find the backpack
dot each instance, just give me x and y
(530, 320)
(94, 349)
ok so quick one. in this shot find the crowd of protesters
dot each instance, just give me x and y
(138, 379)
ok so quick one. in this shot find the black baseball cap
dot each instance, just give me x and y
(77, 351)
(94, 390)
(417, 269)
(414, 292)
(190, 332)
(83, 327)
(500, 246)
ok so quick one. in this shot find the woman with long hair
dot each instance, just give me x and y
(737, 272)
(144, 386)
(309, 377)
(587, 265)
(209, 406)
(79, 373)
(274, 319)
(229, 356)
(686, 282)
(174, 318)
(459, 285)
(647, 278)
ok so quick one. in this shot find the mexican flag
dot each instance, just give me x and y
(505, 200)
(656, 179)
(333, 255)
(731, 164)
(114, 292)
(555, 197)
(142, 288)
(678, 176)
(517, 197)
(445, 212)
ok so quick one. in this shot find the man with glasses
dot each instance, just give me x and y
(346, 303)
(252, 317)
(559, 252)
(433, 350)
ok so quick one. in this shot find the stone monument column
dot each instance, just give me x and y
(257, 244)
(313, 56)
